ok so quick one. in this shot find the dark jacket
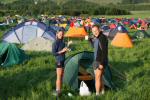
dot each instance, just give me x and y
(57, 46)
(100, 45)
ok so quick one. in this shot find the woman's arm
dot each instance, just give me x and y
(55, 51)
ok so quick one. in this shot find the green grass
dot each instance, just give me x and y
(134, 14)
(63, 1)
(35, 79)
(7, 1)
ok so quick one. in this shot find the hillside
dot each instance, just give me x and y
(101, 2)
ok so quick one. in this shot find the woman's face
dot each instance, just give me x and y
(60, 35)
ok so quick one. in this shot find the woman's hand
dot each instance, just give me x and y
(64, 50)
(70, 42)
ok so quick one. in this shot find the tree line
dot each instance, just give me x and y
(72, 7)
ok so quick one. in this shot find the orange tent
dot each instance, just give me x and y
(112, 26)
(122, 40)
(76, 32)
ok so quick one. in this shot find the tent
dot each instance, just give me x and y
(112, 32)
(26, 32)
(141, 34)
(63, 25)
(112, 26)
(75, 32)
(96, 21)
(105, 27)
(79, 67)
(38, 44)
(10, 55)
(122, 40)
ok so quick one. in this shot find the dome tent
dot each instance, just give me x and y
(112, 32)
(122, 39)
(38, 44)
(139, 34)
(75, 32)
(10, 55)
(26, 32)
(79, 67)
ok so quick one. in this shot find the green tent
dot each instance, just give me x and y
(141, 34)
(10, 55)
(82, 63)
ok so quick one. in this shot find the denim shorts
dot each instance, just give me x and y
(60, 64)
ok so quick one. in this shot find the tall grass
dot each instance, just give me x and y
(35, 79)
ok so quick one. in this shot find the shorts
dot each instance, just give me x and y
(60, 64)
(96, 65)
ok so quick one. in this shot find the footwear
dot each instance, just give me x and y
(102, 92)
(56, 93)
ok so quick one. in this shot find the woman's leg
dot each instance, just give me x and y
(59, 72)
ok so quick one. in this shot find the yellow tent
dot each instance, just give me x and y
(76, 32)
(63, 25)
(122, 40)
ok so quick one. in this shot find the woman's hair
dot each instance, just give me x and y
(59, 31)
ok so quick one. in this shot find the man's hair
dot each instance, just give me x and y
(95, 26)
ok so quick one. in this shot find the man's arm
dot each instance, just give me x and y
(104, 50)
(91, 40)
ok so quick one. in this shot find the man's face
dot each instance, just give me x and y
(96, 31)
(60, 35)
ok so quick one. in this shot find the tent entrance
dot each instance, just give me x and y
(85, 74)
(3, 57)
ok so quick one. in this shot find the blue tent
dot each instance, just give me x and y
(96, 21)
(113, 32)
(105, 27)
(51, 32)
(26, 32)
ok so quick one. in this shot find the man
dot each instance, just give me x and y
(59, 50)
(100, 44)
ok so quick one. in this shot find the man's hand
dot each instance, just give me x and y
(86, 37)
(101, 66)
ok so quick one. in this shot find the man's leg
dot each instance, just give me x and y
(98, 79)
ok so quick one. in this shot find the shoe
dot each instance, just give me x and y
(57, 93)
(102, 92)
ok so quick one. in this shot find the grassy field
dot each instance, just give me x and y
(63, 1)
(134, 14)
(35, 79)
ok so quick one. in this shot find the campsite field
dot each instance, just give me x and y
(134, 14)
(35, 79)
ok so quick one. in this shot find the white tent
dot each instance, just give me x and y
(38, 44)
(28, 31)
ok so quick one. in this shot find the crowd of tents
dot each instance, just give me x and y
(36, 35)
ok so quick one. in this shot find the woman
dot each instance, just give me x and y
(59, 50)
